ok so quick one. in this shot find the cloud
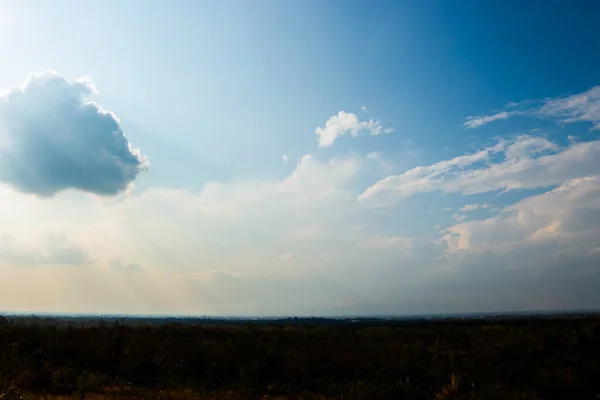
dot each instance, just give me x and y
(473, 207)
(476, 122)
(129, 268)
(527, 146)
(309, 213)
(566, 214)
(422, 178)
(285, 158)
(223, 250)
(305, 243)
(529, 162)
(347, 123)
(364, 109)
(540, 251)
(49, 249)
(53, 138)
(458, 217)
(581, 107)
(281, 246)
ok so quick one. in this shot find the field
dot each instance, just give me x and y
(517, 359)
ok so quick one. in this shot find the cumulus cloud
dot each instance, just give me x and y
(529, 162)
(53, 138)
(542, 250)
(566, 214)
(476, 122)
(347, 123)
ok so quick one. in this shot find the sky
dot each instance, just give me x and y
(299, 157)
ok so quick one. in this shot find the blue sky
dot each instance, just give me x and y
(299, 157)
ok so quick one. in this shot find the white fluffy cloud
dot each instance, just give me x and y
(347, 123)
(53, 138)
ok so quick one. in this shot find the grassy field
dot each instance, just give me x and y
(525, 359)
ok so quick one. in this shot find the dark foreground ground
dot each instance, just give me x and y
(490, 359)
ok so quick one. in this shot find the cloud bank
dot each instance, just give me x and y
(50, 249)
(53, 138)
(306, 244)
(294, 245)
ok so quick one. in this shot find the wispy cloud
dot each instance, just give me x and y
(347, 124)
(473, 207)
(476, 122)
(459, 217)
(581, 107)
(529, 162)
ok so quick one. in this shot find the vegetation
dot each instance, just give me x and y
(521, 359)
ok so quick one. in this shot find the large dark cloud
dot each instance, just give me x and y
(54, 138)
